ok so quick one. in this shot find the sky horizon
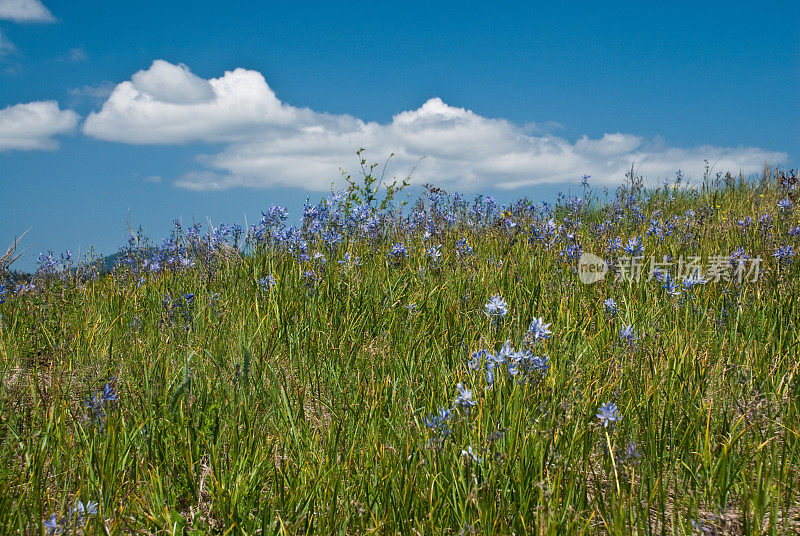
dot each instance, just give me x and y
(113, 115)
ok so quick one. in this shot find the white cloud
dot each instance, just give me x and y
(77, 55)
(267, 142)
(33, 125)
(167, 104)
(25, 11)
(208, 180)
(174, 84)
(96, 94)
(6, 46)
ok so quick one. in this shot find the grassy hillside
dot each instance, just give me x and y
(444, 371)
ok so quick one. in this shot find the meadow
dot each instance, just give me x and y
(433, 368)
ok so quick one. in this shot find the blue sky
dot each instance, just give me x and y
(141, 112)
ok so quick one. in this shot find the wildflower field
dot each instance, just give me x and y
(437, 368)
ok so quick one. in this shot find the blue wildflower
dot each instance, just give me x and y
(634, 246)
(610, 307)
(505, 354)
(464, 398)
(670, 285)
(267, 282)
(310, 277)
(81, 510)
(489, 373)
(739, 258)
(109, 394)
(437, 421)
(539, 330)
(463, 248)
(496, 307)
(398, 253)
(347, 259)
(53, 525)
(471, 454)
(434, 253)
(531, 367)
(608, 414)
(627, 334)
(475, 362)
(694, 279)
(631, 454)
(785, 205)
(332, 238)
(97, 403)
(75, 518)
(784, 255)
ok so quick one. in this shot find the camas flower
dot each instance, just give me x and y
(347, 259)
(437, 421)
(694, 279)
(785, 205)
(739, 258)
(506, 354)
(80, 510)
(615, 244)
(471, 454)
(475, 362)
(539, 329)
(53, 525)
(670, 285)
(633, 246)
(608, 414)
(434, 253)
(398, 252)
(464, 398)
(610, 307)
(627, 334)
(496, 307)
(784, 255)
(267, 282)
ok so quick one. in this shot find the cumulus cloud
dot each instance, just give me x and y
(168, 104)
(25, 11)
(33, 125)
(266, 142)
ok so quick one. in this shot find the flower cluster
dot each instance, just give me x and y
(102, 401)
(397, 254)
(267, 282)
(73, 521)
(608, 414)
(496, 308)
(179, 311)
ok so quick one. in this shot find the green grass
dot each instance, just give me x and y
(297, 412)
